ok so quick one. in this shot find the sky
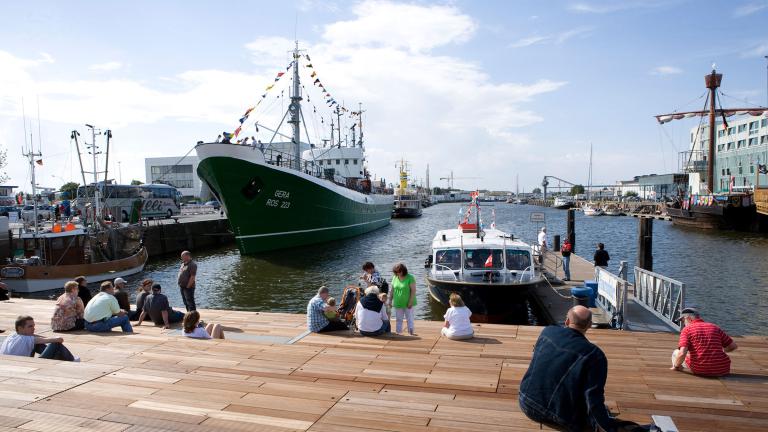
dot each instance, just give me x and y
(492, 91)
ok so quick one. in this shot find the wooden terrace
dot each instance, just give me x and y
(270, 376)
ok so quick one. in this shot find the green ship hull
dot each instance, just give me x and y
(273, 207)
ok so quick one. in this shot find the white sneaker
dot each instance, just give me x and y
(76, 359)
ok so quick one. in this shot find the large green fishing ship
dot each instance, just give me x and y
(281, 194)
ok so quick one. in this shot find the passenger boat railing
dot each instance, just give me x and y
(662, 296)
(444, 271)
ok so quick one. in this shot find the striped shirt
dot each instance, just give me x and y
(705, 342)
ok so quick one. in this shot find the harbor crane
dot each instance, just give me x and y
(560, 182)
(451, 178)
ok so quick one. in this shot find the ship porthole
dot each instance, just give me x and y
(252, 189)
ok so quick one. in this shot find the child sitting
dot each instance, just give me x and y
(332, 315)
(457, 325)
(193, 328)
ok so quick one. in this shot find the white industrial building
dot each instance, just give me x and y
(179, 172)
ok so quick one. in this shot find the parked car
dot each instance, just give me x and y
(216, 205)
(44, 212)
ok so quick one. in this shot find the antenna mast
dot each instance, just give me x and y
(295, 109)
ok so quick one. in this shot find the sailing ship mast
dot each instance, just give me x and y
(712, 82)
(295, 109)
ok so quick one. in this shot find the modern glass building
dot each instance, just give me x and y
(739, 148)
(178, 172)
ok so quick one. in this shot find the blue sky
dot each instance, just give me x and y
(487, 89)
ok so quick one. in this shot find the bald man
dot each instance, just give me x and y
(565, 382)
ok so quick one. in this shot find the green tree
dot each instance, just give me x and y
(630, 193)
(577, 189)
(70, 188)
(536, 190)
(136, 182)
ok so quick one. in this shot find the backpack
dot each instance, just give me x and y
(567, 247)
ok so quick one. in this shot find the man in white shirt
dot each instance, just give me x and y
(25, 343)
(371, 314)
(543, 245)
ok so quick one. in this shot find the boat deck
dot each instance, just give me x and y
(269, 375)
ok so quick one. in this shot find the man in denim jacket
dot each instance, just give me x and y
(564, 384)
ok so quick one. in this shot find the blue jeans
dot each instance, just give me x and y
(386, 327)
(188, 297)
(567, 266)
(53, 351)
(106, 325)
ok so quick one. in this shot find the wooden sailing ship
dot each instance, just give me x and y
(704, 206)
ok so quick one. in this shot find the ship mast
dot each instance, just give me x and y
(295, 110)
(713, 82)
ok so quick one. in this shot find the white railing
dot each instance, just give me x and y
(193, 209)
(612, 294)
(660, 295)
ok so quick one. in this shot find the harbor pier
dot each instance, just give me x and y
(189, 232)
(269, 374)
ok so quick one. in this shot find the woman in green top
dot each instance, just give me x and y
(403, 297)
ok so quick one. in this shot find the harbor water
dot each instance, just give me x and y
(725, 272)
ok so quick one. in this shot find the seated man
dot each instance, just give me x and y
(26, 343)
(4, 292)
(565, 382)
(121, 294)
(316, 320)
(705, 345)
(103, 312)
(371, 314)
(159, 310)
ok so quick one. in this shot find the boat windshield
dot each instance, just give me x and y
(518, 259)
(476, 259)
(448, 259)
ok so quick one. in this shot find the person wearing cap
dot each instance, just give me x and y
(103, 312)
(158, 309)
(542, 244)
(122, 295)
(316, 308)
(702, 346)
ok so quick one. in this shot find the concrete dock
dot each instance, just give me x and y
(269, 375)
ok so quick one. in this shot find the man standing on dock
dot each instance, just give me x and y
(601, 256)
(565, 382)
(705, 346)
(542, 244)
(186, 279)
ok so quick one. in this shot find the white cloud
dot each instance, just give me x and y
(555, 38)
(603, 7)
(757, 50)
(409, 26)
(749, 9)
(105, 67)
(666, 70)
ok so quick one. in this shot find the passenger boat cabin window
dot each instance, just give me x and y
(478, 259)
(450, 258)
(518, 259)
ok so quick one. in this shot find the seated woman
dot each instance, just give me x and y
(68, 312)
(457, 325)
(193, 328)
(371, 314)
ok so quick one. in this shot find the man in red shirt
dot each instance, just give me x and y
(705, 346)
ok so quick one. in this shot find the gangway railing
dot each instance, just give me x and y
(612, 294)
(660, 295)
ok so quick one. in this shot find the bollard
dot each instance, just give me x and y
(571, 229)
(556, 243)
(645, 243)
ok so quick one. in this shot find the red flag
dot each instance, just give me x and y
(237, 131)
(489, 261)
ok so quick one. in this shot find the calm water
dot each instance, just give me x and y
(725, 272)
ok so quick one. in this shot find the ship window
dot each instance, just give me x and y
(476, 259)
(751, 169)
(740, 172)
(338, 161)
(346, 161)
(252, 188)
(518, 259)
(354, 161)
(723, 171)
(448, 259)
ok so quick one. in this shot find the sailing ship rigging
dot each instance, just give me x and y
(704, 205)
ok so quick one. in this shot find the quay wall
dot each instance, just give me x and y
(167, 238)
